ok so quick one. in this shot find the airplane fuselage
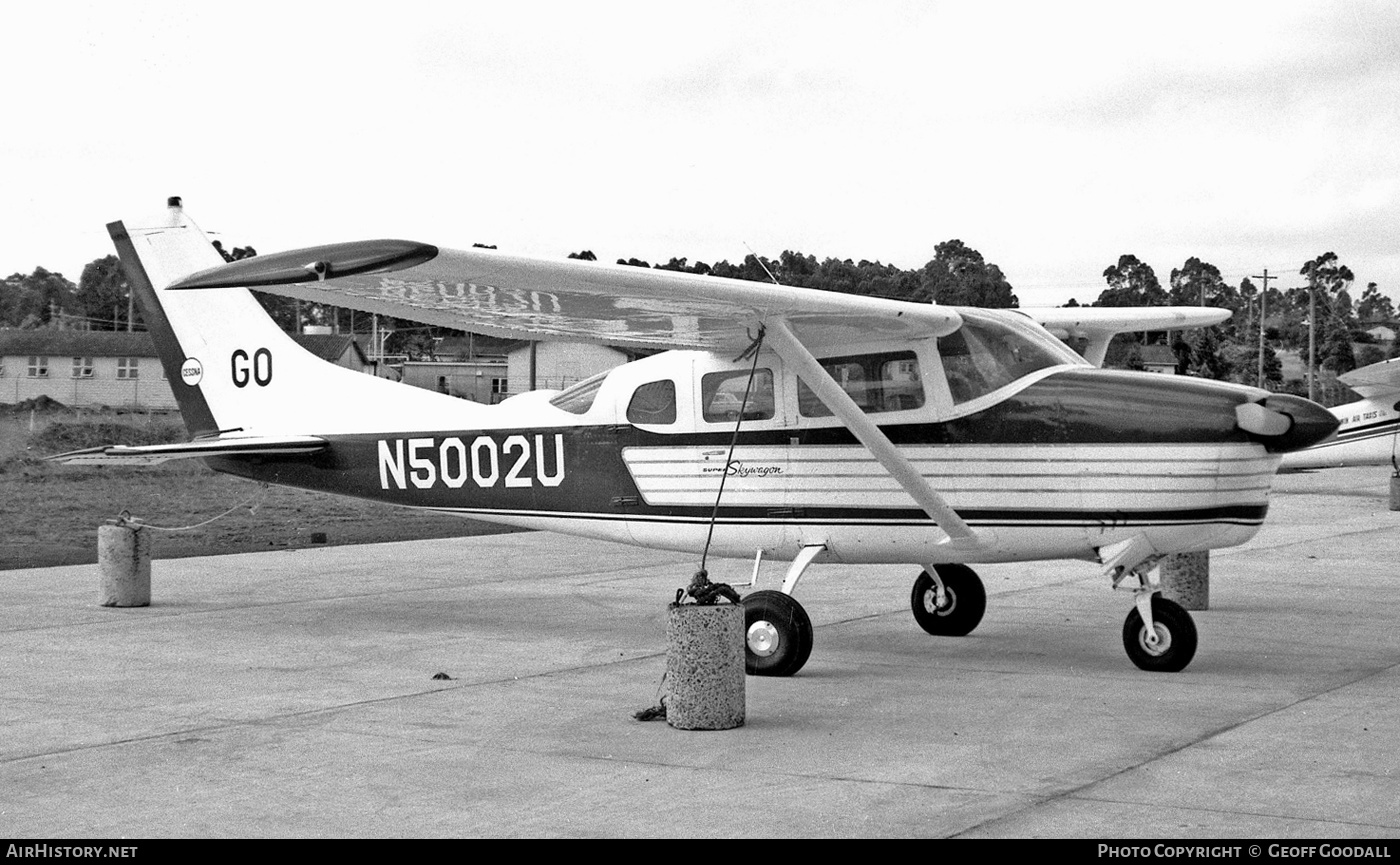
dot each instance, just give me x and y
(1367, 436)
(1056, 464)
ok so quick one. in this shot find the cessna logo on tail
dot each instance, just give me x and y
(427, 462)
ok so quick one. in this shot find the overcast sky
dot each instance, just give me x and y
(1051, 137)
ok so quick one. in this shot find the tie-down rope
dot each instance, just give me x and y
(701, 589)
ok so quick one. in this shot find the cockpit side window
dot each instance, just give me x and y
(653, 403)
(722, 393)
(875, 382)
(987, 353)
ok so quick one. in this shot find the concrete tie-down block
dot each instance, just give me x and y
(705, 666)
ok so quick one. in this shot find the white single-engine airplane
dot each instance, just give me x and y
(1369, 431)
(838, 428)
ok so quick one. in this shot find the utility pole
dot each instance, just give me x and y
(1312, 342)
(1263, 301)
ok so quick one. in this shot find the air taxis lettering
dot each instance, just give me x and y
(425, 463)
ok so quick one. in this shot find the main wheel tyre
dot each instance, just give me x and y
(1176, 637)
(964, 601)
(777, 634)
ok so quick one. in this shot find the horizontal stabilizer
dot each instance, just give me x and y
(146, 455)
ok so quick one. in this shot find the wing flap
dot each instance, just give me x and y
(486, 291)
(145, 455)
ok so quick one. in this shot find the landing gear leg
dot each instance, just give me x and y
(777, 631)
(950, 601)
(1158, 634)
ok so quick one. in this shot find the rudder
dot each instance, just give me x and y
(230, 365)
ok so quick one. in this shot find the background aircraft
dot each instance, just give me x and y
(1368, 429)
(793, 424)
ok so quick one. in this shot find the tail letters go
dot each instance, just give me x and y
(258, 369)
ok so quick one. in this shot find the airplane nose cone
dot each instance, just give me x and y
(1308, 423)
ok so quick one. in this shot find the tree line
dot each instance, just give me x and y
(1230, 351)
(957, 275)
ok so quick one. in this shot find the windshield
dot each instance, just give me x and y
(994, 349)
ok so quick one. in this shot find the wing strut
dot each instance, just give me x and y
(796, 355)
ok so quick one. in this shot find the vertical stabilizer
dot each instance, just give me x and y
(232, 368)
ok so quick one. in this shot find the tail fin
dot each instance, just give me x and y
(232, 368)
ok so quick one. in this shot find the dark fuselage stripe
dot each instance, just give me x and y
(1375, 430)
(1205, 517)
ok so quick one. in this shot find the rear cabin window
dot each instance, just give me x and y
(987, 353)
(578, 398)
(875, 382)
(722, 395)
(653, 402)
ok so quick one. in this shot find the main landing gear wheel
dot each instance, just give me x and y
(960, 609)
(777, 634)
(1176, 637)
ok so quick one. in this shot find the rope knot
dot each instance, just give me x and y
(706, 593)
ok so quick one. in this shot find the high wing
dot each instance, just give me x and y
(134, 455)
(485, 291)
(1375, 380)
(490, 292)
(1099, 324)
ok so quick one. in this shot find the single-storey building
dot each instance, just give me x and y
(482, 379)
(340, 349)
(90, 368)
(83, 368)
(490, 378)
(558, 364)
(1158, 357)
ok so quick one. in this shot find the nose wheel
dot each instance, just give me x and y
(1169, 645)
(777, 634)
(951, 605)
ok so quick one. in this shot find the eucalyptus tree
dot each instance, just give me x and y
(958, 275)
(1131, 283)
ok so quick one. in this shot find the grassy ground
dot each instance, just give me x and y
(1328, 391)
(51, 513)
